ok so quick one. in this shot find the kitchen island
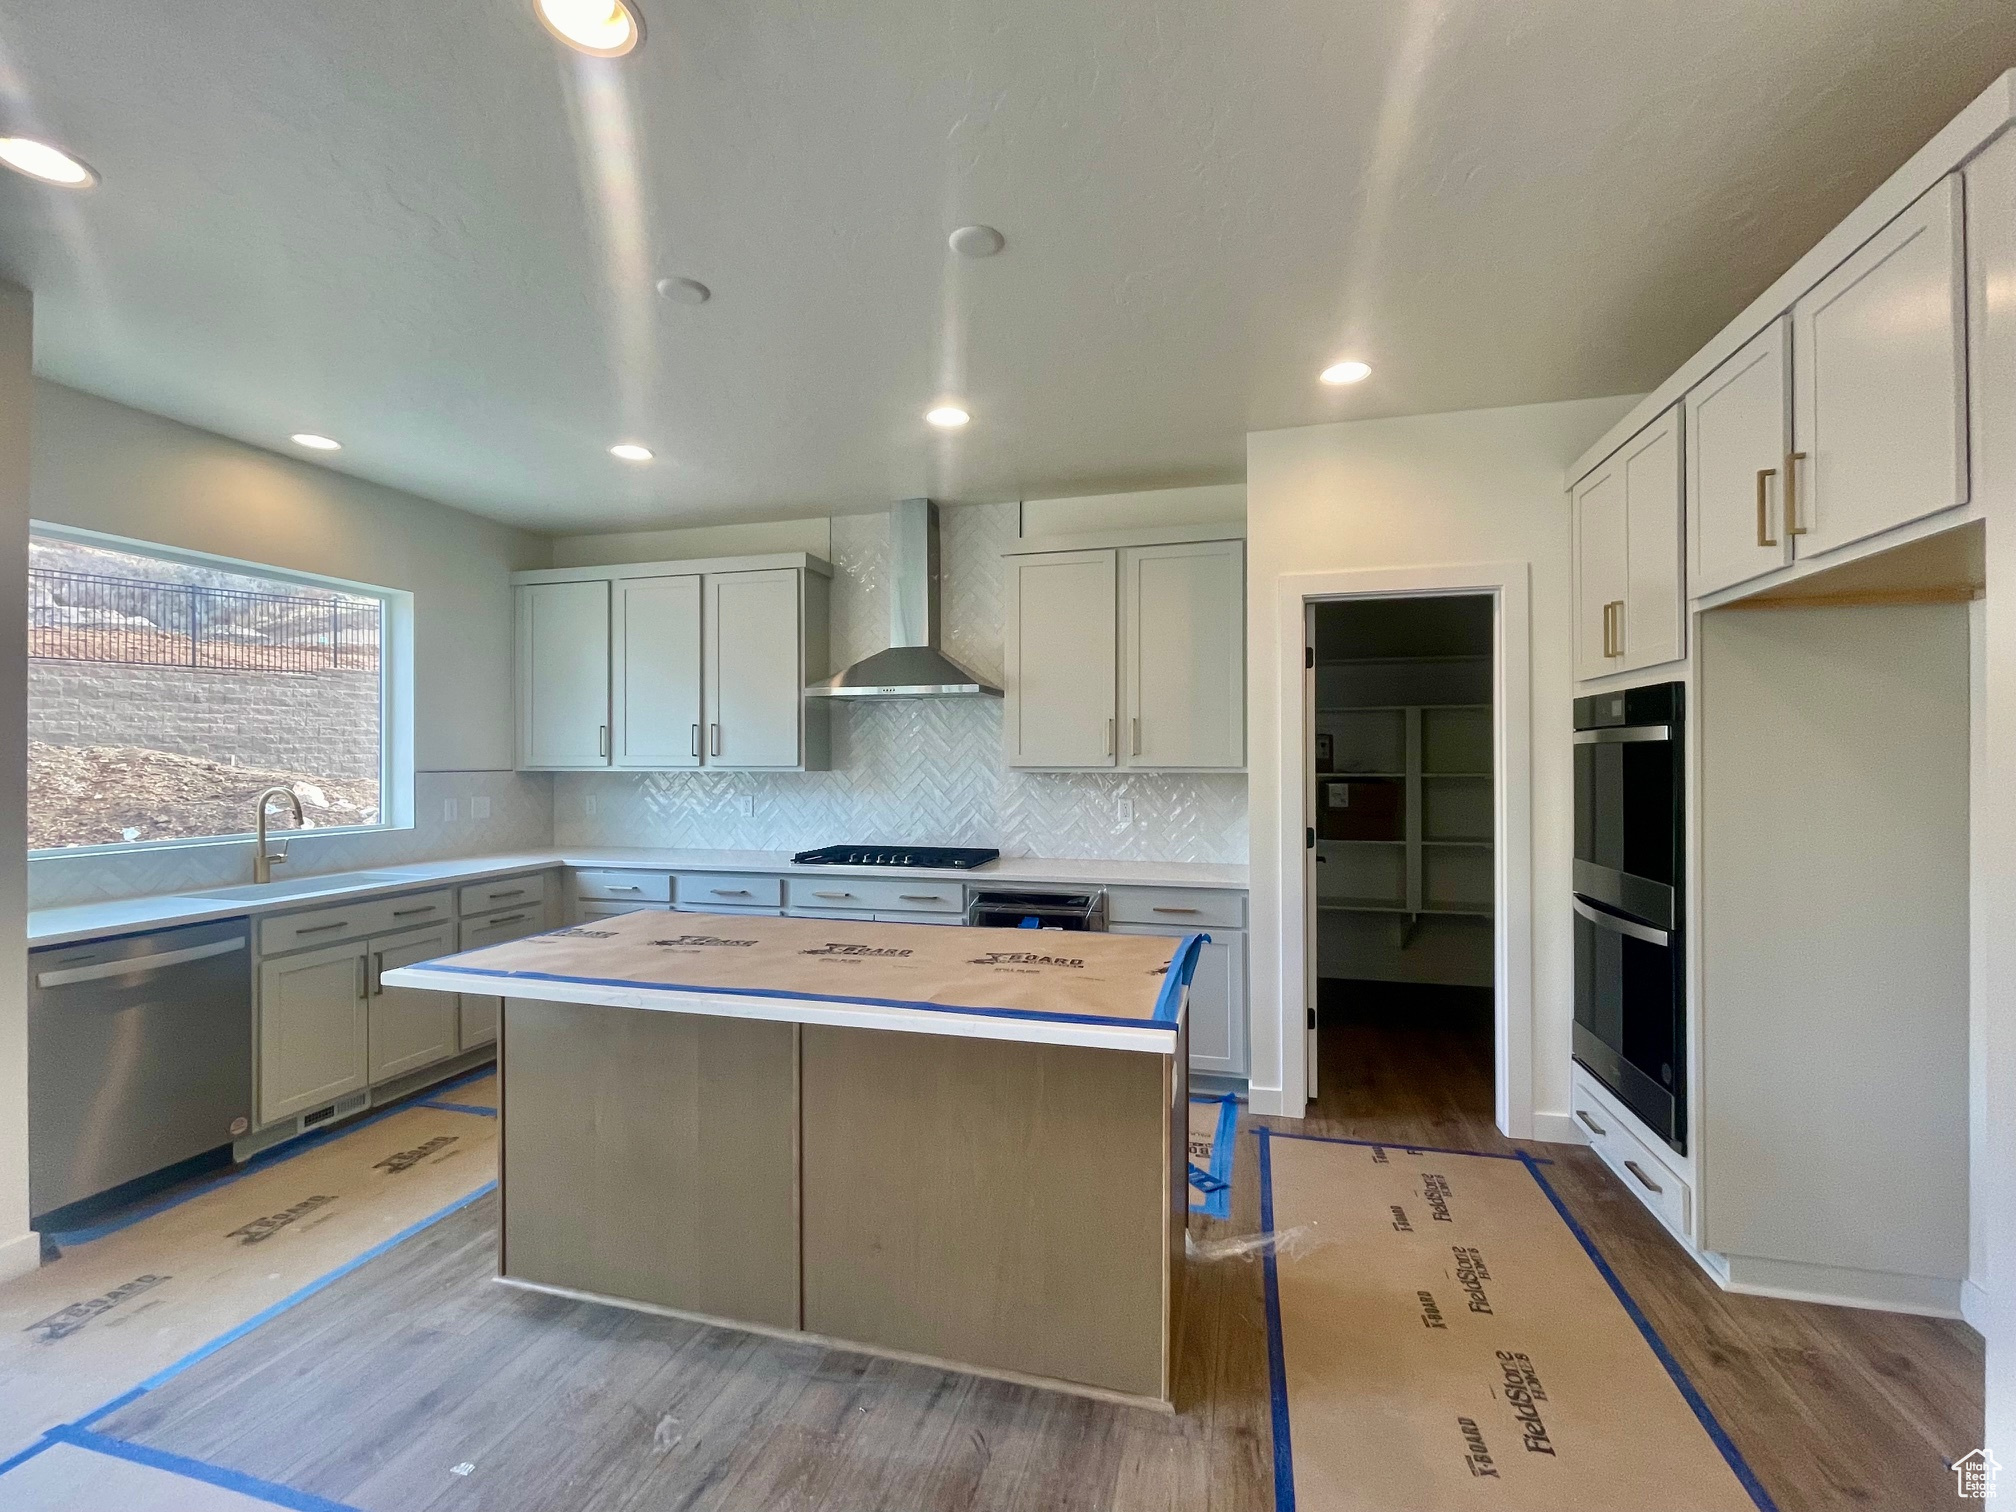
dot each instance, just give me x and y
(957, 1146)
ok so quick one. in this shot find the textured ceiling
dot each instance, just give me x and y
(429, 231)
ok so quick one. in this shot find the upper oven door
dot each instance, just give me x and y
(1626, 819)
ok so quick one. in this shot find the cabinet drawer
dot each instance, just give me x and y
(1645, 1175)
(729, 908)
(889, 895)
(365, 916)
(505, 892)
(1176, 905)
(590, 908)
(709, 890)
(624, 886)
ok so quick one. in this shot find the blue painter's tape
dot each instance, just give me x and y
(27, 1454)
(1277, 1357)
(1412, 1149)
(1182, 967)
(1719, 1435)
(277, 1155)
(1217, 1182)
(197, 1470)
(455, 1107)
(504, 978)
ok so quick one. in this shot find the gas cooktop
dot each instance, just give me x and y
(953, 857)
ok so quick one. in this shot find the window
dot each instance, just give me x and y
(164, 692)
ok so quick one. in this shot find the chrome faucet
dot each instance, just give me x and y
(262, 863)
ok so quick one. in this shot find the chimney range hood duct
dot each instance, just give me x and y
(913, 666)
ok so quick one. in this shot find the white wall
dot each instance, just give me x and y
(101, 466)
(1427, 490)
(19, 1249)
(756, 538)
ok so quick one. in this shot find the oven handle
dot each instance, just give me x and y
(1616, 925)
(1623, 734)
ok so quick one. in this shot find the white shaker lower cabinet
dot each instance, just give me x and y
(481, 1011)
(1217, 998)
(563, 675)
(1880, 381)
(1739, 434)
(1183, 655)
(655, 636)
(409, 1028)
(755, 674)
(1062, 656)
(313, 1029)
(1629, 584)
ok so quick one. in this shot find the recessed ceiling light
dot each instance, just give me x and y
(1345, 372)
(51, 165)
(976, 241)
(630, 451)
(947, 416)
(314, 442)
(685, 290)
(600, 28)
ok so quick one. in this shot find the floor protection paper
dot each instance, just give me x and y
(1213, 1124)
(116, 1308)
(1448, 1342)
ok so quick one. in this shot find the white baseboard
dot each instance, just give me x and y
(20, 1255)
(1840, 1286)
(1556, 1128)
(1974, 1305)
(1272, 1101)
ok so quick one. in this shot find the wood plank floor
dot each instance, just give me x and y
(374, 1392)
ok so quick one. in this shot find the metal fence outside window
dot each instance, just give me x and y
(83, 616)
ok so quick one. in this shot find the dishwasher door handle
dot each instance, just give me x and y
(98, 971)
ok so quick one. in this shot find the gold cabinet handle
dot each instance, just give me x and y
(1764, 477)
(1607, 652)
(1613, 628)
(1792, 525)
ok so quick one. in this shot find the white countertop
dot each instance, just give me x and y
(87, 921)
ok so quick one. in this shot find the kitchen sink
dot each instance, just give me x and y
(301, 887)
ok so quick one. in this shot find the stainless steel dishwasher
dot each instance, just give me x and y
(139, 1056)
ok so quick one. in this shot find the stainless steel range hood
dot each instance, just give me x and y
(913, 666)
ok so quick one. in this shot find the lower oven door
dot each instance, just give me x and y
(1628, 1016)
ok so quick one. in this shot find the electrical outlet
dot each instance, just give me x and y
(451, 810)
(588, 805)
(479, 808)
(1124, 810)
(748, 805)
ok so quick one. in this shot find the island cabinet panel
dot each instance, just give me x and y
(924, 1233)
(652, 1157)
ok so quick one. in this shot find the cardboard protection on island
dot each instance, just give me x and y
(1051, 973)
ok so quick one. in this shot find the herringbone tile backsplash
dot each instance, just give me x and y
(926, 772)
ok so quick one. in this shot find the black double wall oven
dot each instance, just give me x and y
(1630, 973)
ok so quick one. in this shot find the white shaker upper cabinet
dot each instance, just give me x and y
(1739, 431)
(563, 675)
(1599, 570)
(1653, 626)
(1062, 644)
(755, 691)
(1183, 655)
(657, 650)
(1879, 371)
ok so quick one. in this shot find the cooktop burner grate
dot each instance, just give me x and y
(952, 857)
